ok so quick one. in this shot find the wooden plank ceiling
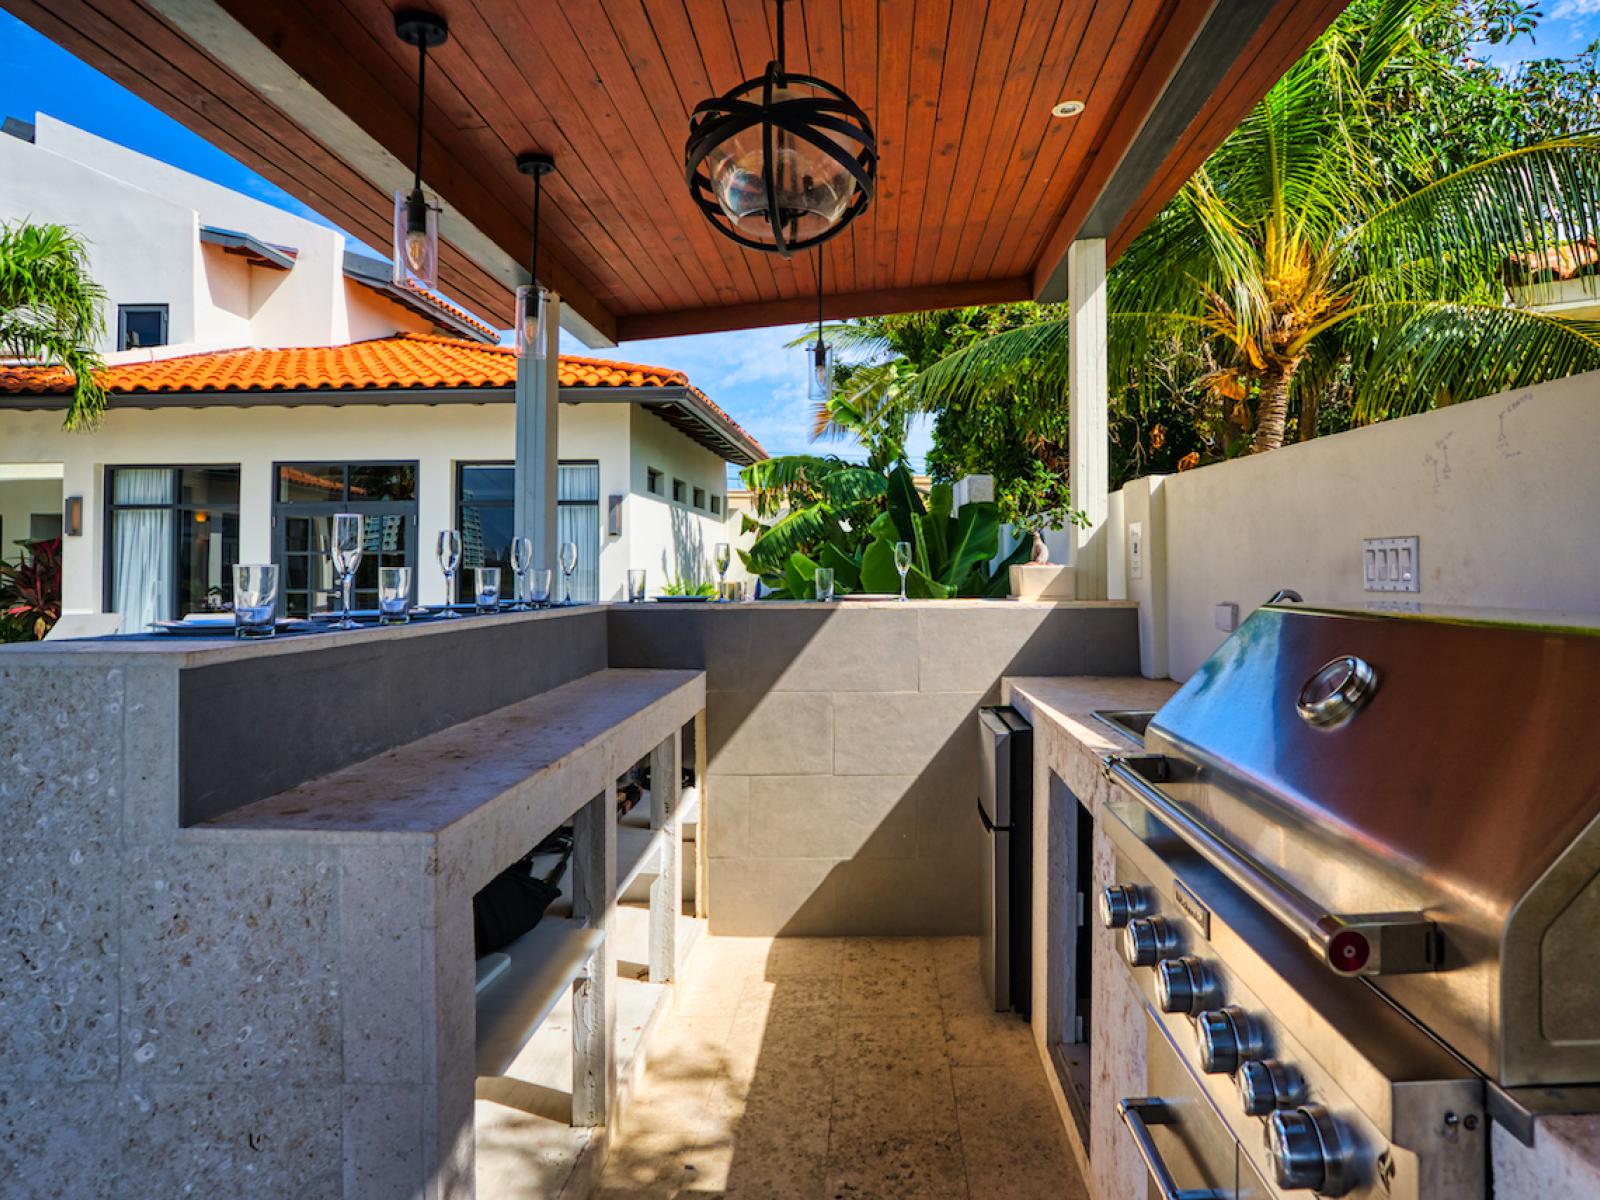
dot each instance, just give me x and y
(980, 187)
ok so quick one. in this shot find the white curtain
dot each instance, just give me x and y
(142, 564)
(580, 523)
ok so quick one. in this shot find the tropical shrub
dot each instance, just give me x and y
(51, 310)
(30, 592)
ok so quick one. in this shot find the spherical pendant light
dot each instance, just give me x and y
(782, 162)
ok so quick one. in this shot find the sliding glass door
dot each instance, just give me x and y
(486, 515)
(305, 498)
(172, 540)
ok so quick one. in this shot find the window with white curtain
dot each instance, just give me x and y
(578, 521)
(173, 539)
(485, 504)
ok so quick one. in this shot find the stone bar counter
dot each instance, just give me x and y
(236, 877)
(1563, 1164)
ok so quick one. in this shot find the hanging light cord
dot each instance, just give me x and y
(533, 258)
(819, 295)
(422, 78)
(781, 59)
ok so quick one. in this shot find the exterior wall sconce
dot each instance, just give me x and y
(416, 214)
(72, 517)
(614, 516)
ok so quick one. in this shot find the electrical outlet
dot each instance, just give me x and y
(1391, 564)
(1227, 617)
(1135, 550)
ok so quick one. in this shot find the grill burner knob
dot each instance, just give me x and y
(1307, 1151)
(1120, 903)
(1268, 1085)
(1228, 1037)
(1184, 985)
(1147, 940)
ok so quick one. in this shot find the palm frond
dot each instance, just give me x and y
(51, 309)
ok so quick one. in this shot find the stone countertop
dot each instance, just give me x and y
(422, 788)
(1069, 703)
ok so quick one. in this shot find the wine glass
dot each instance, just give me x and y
(347, 546)
(722, 555)
(449, 559)
(902, 563)
(521, 564)
(569, 564)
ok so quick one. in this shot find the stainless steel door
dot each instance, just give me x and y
(1186, 1146)
(994, 811)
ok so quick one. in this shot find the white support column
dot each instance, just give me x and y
(1087, 447)
(538, 414)
(594, 993)
(666, 893)
(702, 848)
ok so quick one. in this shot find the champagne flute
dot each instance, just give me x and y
(521, 564)
(347, 546)
(723, 555)
(449, 559)
(569, 563)
(902, 563)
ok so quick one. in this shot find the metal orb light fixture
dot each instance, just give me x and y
(416, 214)
(782, 162)
(533, 298)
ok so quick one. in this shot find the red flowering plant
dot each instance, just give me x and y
(30, 591)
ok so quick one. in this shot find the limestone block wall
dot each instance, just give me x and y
(843, 747)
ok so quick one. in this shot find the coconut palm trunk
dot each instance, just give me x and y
(1272, 408)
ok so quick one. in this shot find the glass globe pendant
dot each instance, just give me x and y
(416, 214)
(532, 324)
(782, 162)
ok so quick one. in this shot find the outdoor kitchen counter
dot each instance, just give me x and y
(1564, 1163)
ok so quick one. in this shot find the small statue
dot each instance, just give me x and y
(1041, 552)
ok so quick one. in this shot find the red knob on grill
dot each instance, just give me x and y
(1349, 951)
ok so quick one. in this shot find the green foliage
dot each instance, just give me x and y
(30, 592)
(689, 587)
(50, 310)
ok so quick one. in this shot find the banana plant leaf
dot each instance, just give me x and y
(999, 584)
(878, 574)
(797, 573)
(846, 570)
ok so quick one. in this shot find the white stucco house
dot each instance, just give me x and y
(262, 377)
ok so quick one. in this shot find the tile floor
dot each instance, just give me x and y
(840, 1069)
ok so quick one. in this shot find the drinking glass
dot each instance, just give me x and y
(539, 586)
(822, 583)
(347, 546)
(569, 564)
(902, 563)
(394, 595)
(449, 559)
(486, 588)
(733, 592)
(521, 564)
(722, 555)
(636, 585)
(255, 600)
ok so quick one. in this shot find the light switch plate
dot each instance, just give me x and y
(1135, 550)
(1227, 617)
(1391, 564)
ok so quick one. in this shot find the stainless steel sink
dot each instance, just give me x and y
(1130, 721)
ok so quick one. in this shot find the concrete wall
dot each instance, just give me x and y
(1502, 492)
(842, 751)
(437, 437)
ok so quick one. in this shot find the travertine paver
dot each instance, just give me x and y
(840, 1069)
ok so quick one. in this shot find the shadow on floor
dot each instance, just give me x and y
(840, 1069)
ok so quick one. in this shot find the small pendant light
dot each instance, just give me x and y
(416, 214)
(819, 386)
(533, 298)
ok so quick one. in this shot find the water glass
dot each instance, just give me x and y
(722, 556)
(902, 563)
(636, 585)
(734, 591)
(521, 563)
(539, 586)
(255, 600)
(822, 584)
(486, 588)
(394, 595)
(449, 552)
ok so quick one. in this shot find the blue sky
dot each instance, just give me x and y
(751, 374)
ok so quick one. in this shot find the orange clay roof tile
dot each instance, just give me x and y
(407, 360)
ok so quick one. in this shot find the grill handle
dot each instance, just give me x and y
(1138, 1114)
(1352, 944)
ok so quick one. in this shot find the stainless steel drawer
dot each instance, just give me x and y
(1187, 1148)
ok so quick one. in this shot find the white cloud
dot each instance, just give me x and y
(1568, 10)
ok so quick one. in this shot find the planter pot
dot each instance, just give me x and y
(1048, 582)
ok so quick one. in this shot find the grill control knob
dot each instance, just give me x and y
(1147, 940)
(1267, 1085)
(1184, 985)
(1120, 903)
(1308, 1151)
(1228, 1037)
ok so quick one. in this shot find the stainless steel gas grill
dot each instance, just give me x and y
(1358, 881)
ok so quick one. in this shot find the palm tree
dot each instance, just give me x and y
(51, 310)
(1316, 256)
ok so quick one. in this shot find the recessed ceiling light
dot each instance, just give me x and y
(1067, 108)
